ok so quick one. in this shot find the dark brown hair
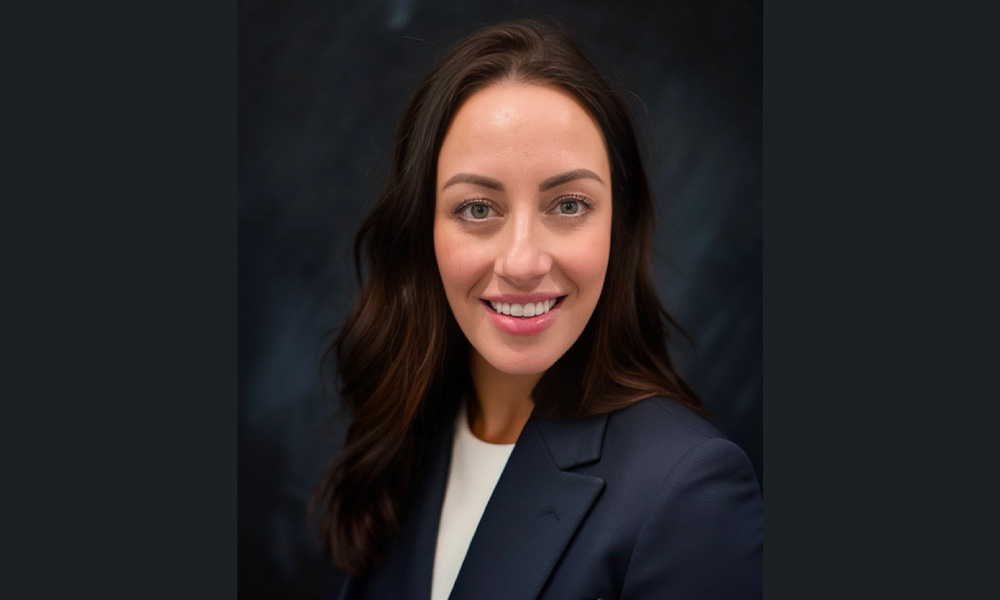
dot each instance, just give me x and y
(401, 358)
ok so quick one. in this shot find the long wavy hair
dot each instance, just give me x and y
(402, 359)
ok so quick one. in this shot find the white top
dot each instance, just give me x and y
(475, 469)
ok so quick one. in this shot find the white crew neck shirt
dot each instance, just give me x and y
(474, 471)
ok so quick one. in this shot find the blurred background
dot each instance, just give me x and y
(321, 88)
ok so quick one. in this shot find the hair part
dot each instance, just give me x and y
(401, 376)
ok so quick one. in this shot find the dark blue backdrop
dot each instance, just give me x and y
(321, 86)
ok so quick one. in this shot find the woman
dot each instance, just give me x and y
(519, 430)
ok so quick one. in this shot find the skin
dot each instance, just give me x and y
(523, 212)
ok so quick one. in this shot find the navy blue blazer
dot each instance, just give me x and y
(649, 501)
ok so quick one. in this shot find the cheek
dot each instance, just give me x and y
(456, 262)
(588, 266)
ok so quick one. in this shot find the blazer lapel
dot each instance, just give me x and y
(534, 511)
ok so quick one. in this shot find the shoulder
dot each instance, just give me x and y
(657, 414)
(699, 489)
(658, 448)
(660, 428)
(680, 513)
(641, 447)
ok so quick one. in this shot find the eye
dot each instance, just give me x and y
(571, 206)
(474, 211)
(479, 211)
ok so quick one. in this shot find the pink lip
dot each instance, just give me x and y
(522, 325)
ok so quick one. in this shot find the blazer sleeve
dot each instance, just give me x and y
(704, 536)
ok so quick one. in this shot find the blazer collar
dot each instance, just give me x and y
(573, 444)
(534, 511)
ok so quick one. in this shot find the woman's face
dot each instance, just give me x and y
(522, 224)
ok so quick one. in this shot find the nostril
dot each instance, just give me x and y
(523, 265)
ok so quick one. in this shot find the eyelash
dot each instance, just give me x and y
(461, 208)
(585, 204)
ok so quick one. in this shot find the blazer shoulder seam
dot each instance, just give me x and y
(707, 430)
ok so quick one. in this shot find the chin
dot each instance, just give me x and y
(508, 361)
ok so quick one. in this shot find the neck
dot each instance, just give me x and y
(502, 404)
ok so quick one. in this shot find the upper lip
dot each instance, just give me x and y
(522, 298)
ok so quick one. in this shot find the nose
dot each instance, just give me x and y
(523, 261)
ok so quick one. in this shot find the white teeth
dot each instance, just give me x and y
(523, 310)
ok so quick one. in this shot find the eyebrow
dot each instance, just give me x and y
(568, 176)
(479, 180)
(548, 184)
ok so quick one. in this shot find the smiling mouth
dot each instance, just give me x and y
(523, 311)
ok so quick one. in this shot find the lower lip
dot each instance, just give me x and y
(522, 325)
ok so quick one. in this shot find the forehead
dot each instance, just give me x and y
(513, 126)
